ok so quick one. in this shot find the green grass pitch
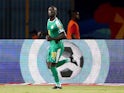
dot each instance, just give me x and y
(66, 89)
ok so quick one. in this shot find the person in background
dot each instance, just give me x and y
(36, 34)
(73, 31)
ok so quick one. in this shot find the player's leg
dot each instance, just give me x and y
(51, 62)
(59, 54)
(48, 58)
(52, 67)
(55, 75)
(60, 63)
(65, 60)
(70, 59)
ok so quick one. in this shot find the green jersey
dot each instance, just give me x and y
(54, 28)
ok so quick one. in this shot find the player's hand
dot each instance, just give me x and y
(48, 38)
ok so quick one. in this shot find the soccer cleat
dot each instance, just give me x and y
(57, 87)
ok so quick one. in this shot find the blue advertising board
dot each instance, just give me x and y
(24, 61)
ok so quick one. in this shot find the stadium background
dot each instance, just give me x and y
(99, 18)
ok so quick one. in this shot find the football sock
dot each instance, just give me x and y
(62, 62)
(58, 84)
(55, 75)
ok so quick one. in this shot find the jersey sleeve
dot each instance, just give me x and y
(60, 26)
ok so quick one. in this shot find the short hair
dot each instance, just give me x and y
(72, 12)
(55, 8)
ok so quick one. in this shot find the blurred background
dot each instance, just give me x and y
(99, 19)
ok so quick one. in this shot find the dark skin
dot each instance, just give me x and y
(52, 12)
(61, 36)
(75, 16)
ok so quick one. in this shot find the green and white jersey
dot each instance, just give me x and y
(54, 27)
(56, 49)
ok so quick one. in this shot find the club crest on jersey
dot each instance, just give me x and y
(52, 27)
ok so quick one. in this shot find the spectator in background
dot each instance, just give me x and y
(36, 34)
(73, 31)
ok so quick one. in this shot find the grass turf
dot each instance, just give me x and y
(66, 89)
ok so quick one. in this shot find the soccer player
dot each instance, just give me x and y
(55, 35)
(73, 27)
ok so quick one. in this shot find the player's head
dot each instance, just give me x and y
(52, 11)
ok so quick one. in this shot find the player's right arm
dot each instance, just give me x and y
(58, 38)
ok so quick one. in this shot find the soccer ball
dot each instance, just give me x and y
(72, 68)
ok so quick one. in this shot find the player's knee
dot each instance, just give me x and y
(49, 65)
(53, 65)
